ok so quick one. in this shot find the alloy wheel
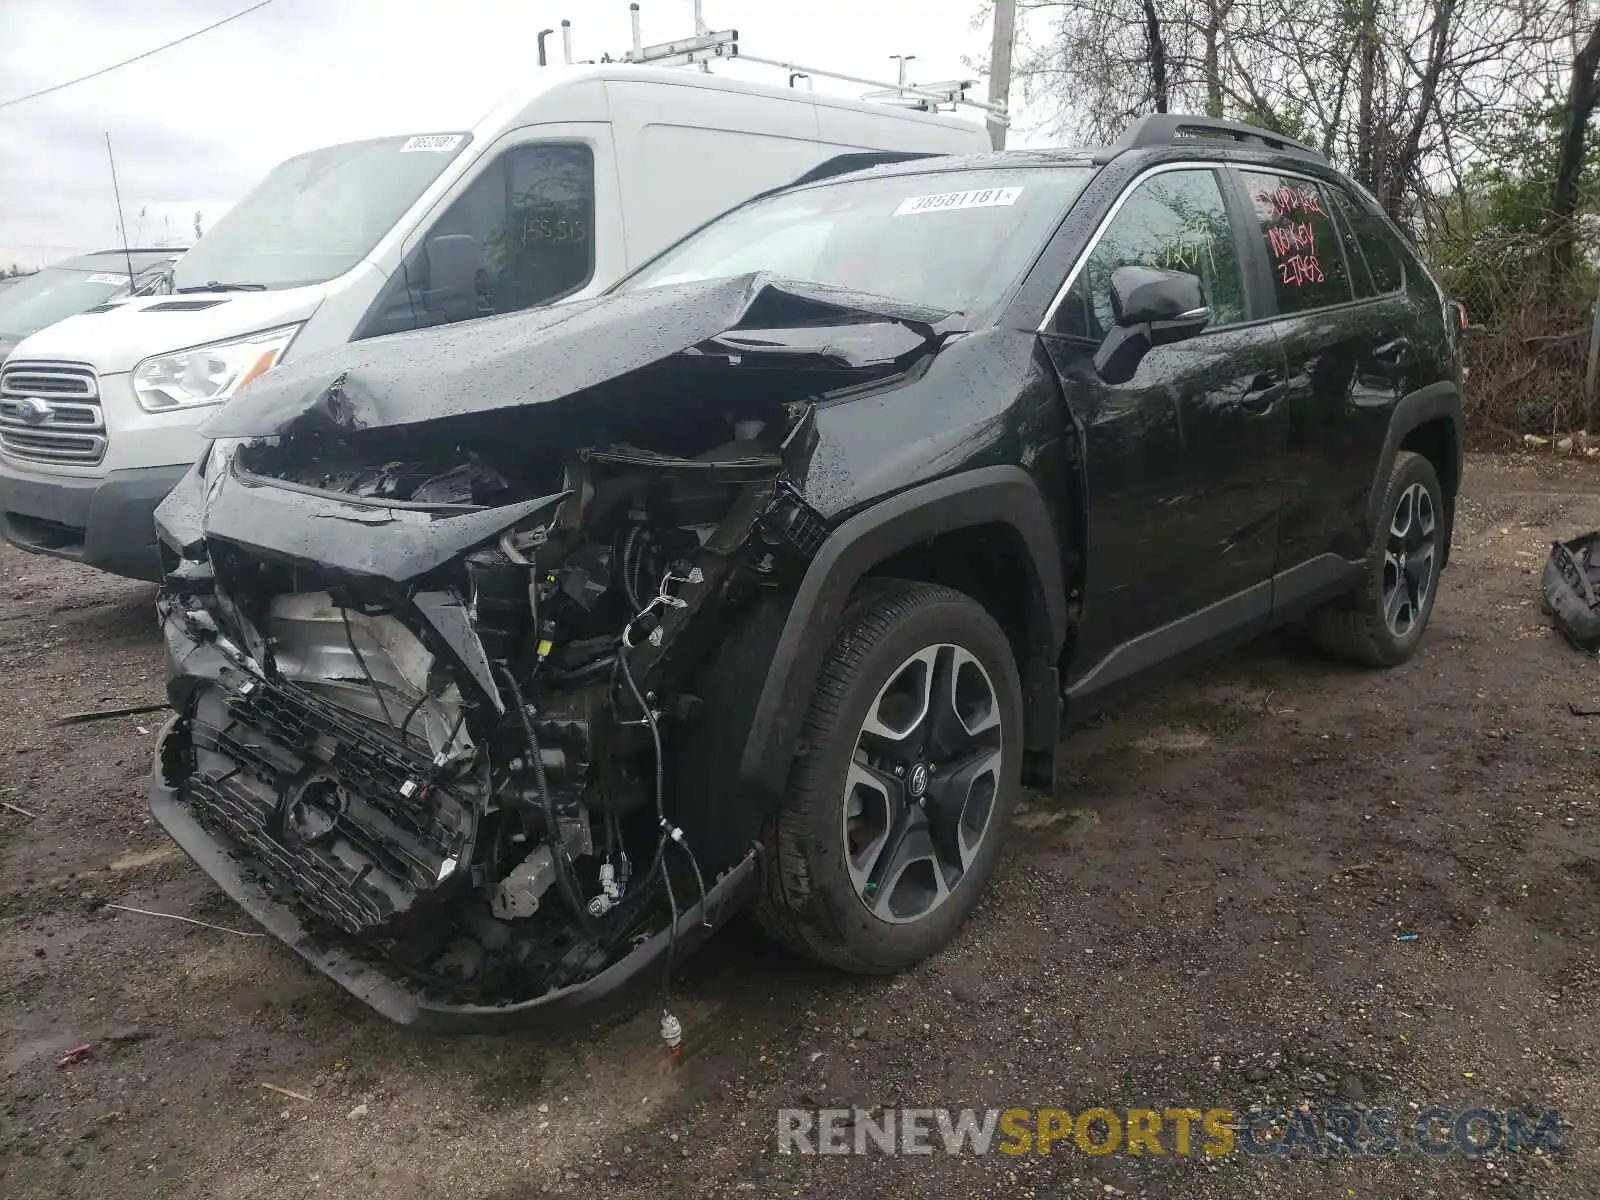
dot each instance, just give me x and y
(1408, 560)
(922, 783)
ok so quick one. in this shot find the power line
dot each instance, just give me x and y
(136, 58)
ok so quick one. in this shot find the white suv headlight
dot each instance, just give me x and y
(208, 374)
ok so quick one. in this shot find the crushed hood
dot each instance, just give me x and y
(545, 354)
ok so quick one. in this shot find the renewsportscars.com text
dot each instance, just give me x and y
(1259, 1132)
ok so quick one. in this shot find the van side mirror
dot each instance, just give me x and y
(453, 263)
(1150, 307)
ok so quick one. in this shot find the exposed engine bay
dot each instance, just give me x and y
(430, 678)
(489, 811)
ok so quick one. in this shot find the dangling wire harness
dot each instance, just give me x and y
(671, 1031)
(566, 873)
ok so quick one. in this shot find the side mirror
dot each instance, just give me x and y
(1151, 307)
(453, 262)
(1171, 301)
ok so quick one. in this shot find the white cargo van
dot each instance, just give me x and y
(551, 197)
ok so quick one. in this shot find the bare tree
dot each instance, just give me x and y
(1583, 90)
(1156, 48)
(1092, 66)
(1402, 92)
(1216, 16)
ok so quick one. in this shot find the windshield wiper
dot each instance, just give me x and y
(214, 286)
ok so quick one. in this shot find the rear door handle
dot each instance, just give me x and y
(1265, 391)
(1390, 353)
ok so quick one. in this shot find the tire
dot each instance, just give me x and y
(1358, 628)
(813, 900)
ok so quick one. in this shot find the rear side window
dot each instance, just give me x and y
(1378, 243)
(1295, 219)
(1359, 275)
(521, 235)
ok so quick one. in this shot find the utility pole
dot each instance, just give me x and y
(1005, 36)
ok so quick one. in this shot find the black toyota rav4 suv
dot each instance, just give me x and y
(509, 659)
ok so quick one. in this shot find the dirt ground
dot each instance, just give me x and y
(1206, 914)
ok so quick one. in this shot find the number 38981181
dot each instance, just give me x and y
(557, 230)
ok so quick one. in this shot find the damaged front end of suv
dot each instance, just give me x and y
(435, 607)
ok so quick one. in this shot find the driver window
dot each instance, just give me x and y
(521, 235)
(1175, 220)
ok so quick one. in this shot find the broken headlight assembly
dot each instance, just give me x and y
(208, 374)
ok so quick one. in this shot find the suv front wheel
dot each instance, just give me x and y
(1382, 622)
(899, 803)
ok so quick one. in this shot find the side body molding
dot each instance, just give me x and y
(1005, 495)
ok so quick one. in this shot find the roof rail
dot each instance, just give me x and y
(843, 164)
(1165, 129)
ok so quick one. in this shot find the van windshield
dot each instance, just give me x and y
(951, 240)
(316, 215)
(56, 293)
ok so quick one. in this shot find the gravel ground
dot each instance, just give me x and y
(1205, 915)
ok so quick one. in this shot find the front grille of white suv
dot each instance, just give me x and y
(50, 412)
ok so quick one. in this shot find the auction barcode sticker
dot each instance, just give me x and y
(431, 141)
(945, 201)
(103, 277)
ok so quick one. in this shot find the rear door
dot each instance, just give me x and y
(1347, 334)
(1183, 459)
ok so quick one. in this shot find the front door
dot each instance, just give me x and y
(1182, 461)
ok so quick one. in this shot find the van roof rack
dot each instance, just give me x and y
(708, 46)
(1166, 129)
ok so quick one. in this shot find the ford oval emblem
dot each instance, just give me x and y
(33, 410)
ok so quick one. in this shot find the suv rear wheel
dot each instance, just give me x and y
(898, 808)
(1382, 622)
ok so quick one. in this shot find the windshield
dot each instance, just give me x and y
(54, 294)
(316, 216)
(951, 240)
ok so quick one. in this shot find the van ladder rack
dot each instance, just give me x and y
(706, 47)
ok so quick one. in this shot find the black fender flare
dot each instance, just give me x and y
(987, 495)
(1442, 399)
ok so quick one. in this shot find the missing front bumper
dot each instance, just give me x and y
(401, 1000)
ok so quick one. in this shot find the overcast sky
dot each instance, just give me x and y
(194, 127)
